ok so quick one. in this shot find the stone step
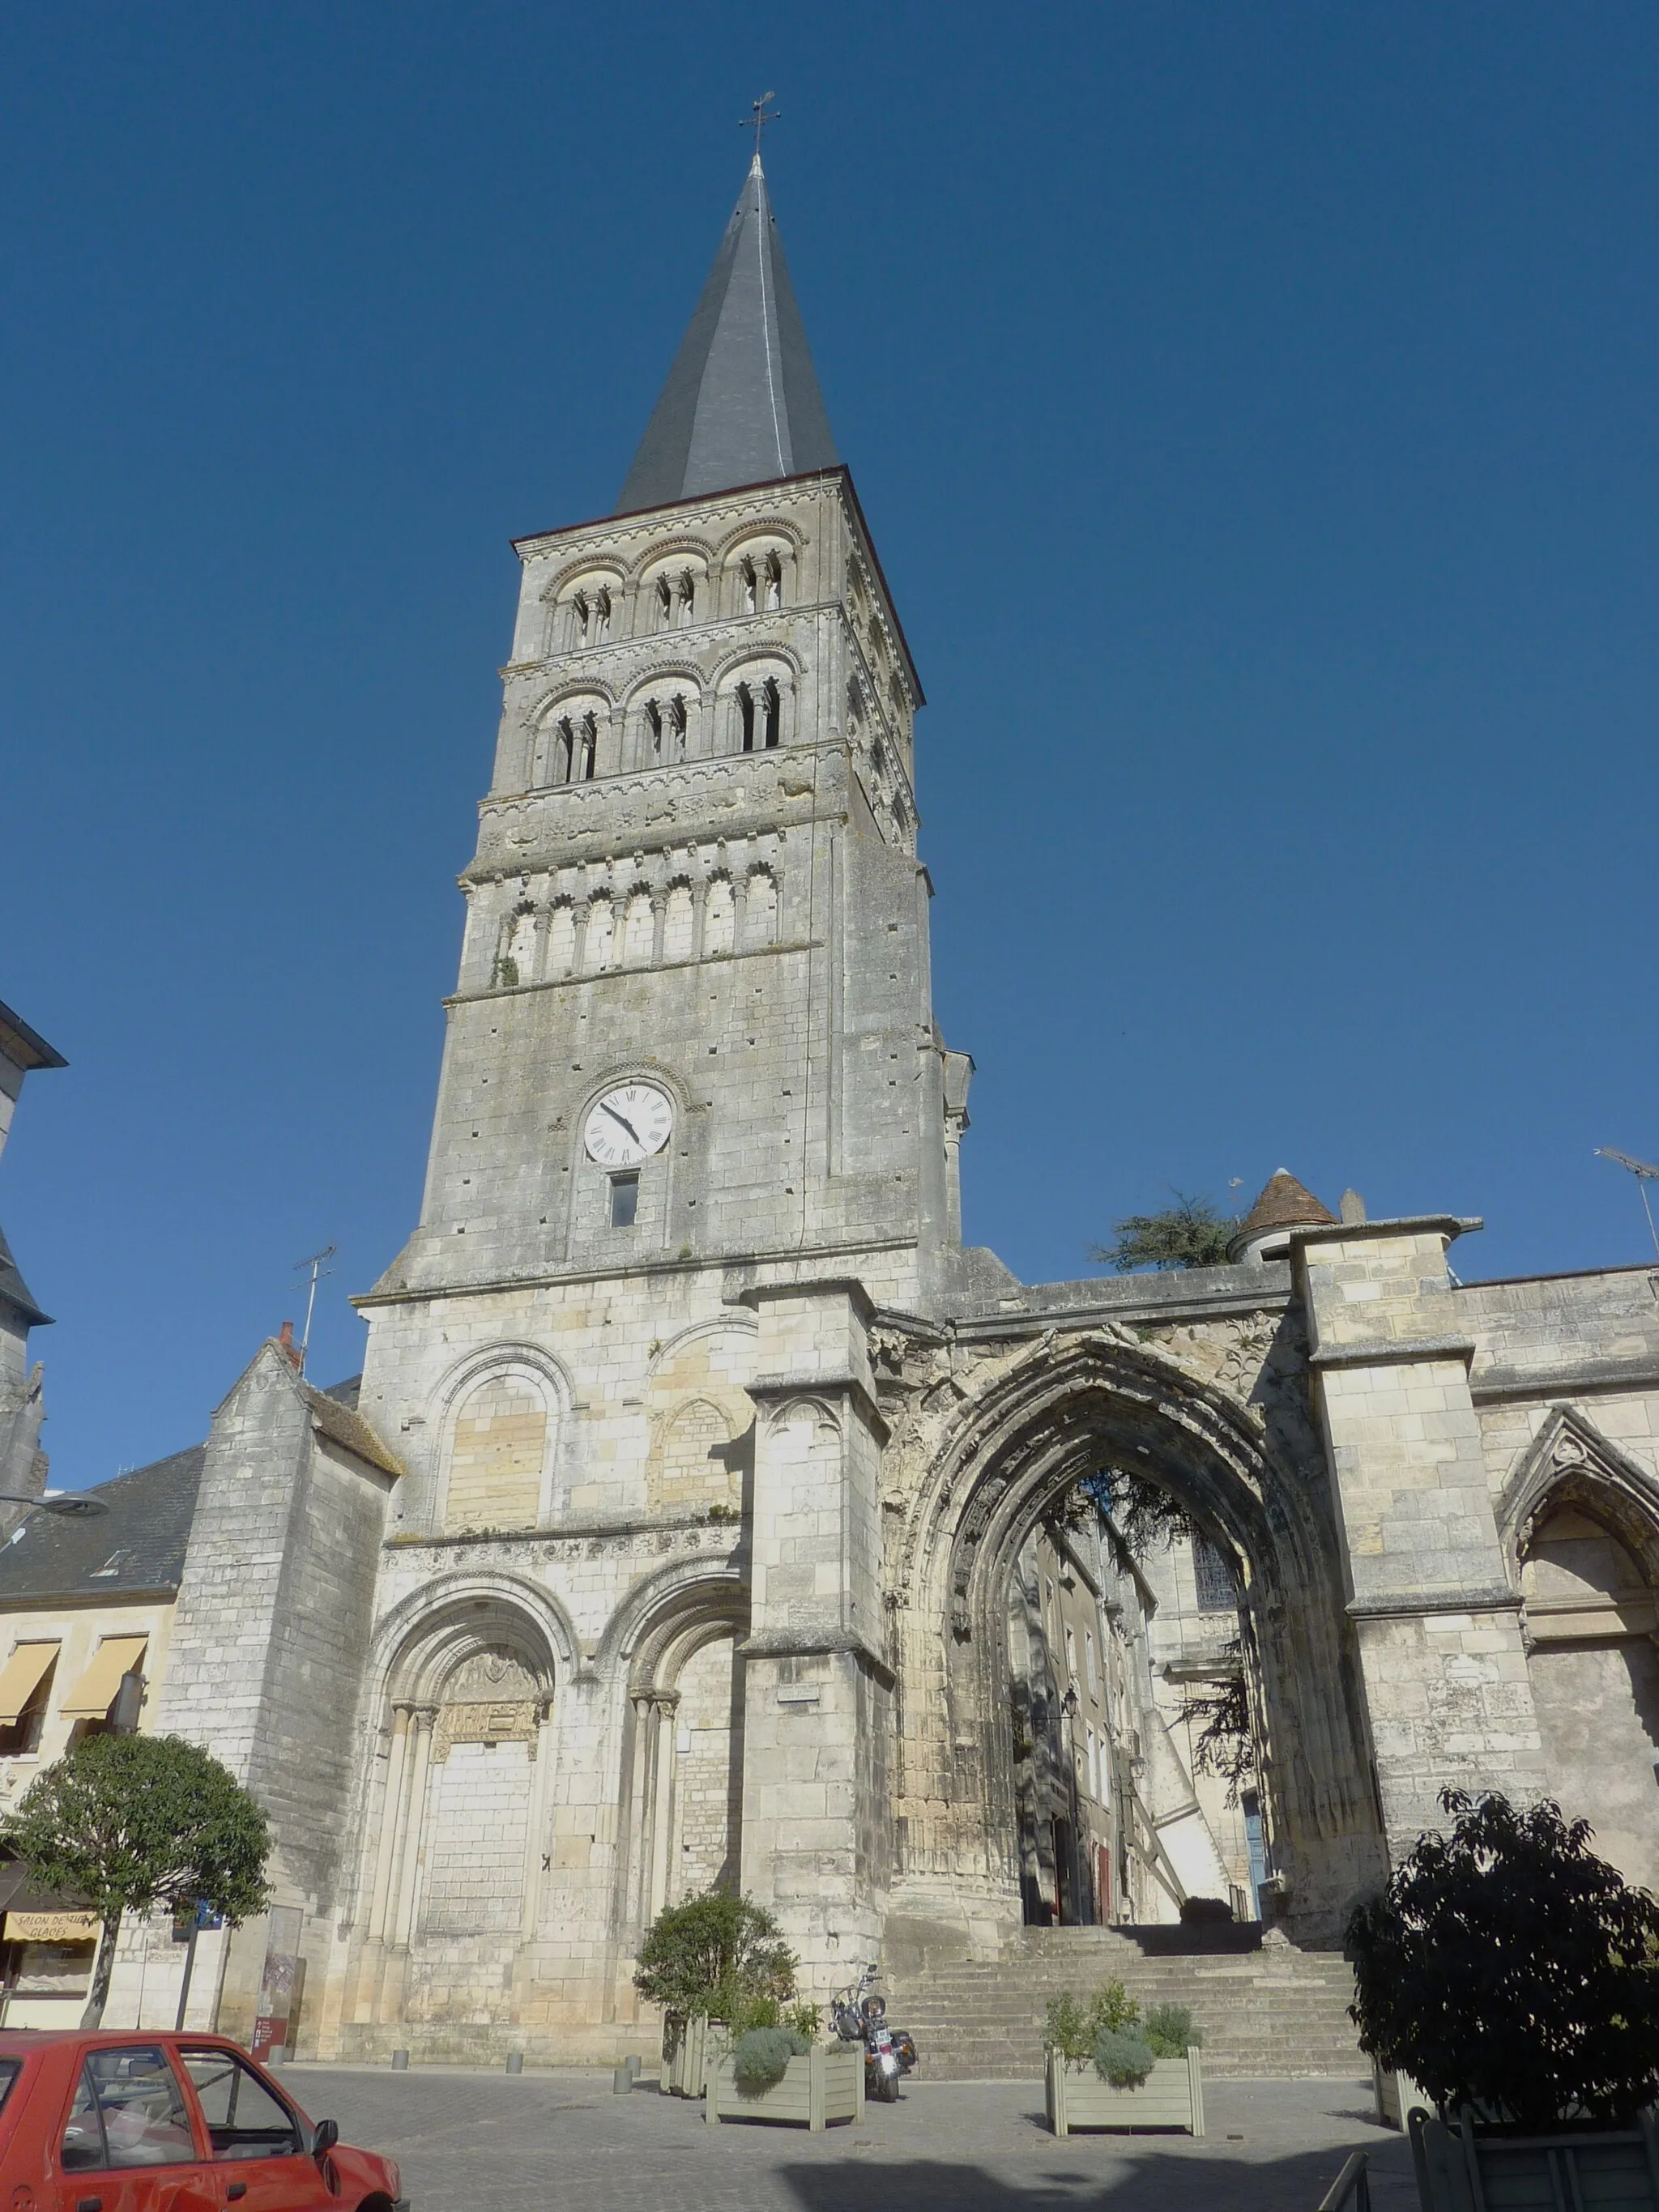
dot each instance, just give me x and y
(1275, 2012)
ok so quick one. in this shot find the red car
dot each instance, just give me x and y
(138, 2120)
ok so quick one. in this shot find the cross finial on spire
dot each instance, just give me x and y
(761, 113)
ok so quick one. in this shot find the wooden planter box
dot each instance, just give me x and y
(696, 2043)
(1468, 2168)
(1397, 2097)
(826, 2084)
(1171, 2096)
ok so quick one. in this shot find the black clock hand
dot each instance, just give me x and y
(626, 1123)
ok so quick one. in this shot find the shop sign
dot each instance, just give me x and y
(52, 1927)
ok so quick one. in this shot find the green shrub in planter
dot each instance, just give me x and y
(761, 2057)
(1073, 2029)
(1111, 2006)
(1168, 2029)
(1066, 2029)
(1123, 2056)
(1508, 1968)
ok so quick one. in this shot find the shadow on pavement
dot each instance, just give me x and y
(1160, 2182)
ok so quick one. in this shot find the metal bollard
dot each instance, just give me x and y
(622, 2081)
(635, 2062)
(515, 2062)
(399, 2062)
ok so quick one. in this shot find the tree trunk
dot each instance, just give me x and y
(103, 1967)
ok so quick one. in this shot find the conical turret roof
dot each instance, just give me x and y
(1285, 1203)
(742, 403)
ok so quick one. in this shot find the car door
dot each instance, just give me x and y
(128, 2143)
(261, 2150)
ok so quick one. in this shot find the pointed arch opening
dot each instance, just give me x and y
(1584, 1525)
(1011, 1507)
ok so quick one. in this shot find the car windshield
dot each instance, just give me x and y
(10, 2070)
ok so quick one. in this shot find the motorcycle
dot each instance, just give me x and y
(890, 2053)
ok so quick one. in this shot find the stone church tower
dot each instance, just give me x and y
(695, 1122)
(676, 1526)
(700, 1485)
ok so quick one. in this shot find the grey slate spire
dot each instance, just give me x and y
(742, 404)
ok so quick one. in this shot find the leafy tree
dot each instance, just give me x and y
(1193, 1232)
(1225, 1746)
(719, 1955)
(1507, 1968)
(1147, 1516)
(133, 1822)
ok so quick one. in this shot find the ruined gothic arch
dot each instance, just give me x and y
(1015, 1444)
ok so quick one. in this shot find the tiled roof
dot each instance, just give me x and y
(137, 1544)
(333, 1417)
(24, 1047)
(1283, 1204)
(15, 1290)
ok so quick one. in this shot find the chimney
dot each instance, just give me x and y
(285, 1343)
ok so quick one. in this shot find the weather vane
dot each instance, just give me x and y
(761, 113)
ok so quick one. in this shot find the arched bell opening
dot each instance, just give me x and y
(1040, 1433)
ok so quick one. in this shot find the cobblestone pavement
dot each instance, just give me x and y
(488, 2143)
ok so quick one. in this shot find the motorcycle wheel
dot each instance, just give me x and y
(889, 2088)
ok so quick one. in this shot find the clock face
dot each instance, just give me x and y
(628, 1125)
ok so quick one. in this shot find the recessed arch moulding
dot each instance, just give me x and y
(994, 1436)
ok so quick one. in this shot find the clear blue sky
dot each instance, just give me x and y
(1255, 406)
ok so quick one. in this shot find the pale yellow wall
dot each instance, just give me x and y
(78, 1630)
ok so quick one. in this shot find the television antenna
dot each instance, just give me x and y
(318, 1263)
(1645, 1172)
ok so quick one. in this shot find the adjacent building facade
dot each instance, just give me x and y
(695, 1520)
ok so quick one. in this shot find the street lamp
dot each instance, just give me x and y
(73, 1508)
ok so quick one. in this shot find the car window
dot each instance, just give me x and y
(83, 2138)
(10, 2070)
(129, 2110)
(244, 2119)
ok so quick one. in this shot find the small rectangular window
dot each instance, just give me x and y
(624, 1200)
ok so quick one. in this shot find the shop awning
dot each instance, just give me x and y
(94, 1693)
(21, 1677)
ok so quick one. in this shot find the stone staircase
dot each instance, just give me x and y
(1274, 2011)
